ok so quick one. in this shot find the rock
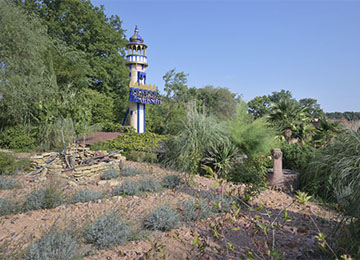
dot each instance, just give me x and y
(101, 183)
(71, 183)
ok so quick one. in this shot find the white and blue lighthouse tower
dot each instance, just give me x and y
(140, 93)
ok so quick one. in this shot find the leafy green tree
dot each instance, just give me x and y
(86, 28)
(219, 102)
(25, 78)
(313, 107)
(259, 106)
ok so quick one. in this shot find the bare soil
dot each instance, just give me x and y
(294, 239)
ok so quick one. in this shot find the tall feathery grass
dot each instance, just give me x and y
(334, 175)
(199, 132)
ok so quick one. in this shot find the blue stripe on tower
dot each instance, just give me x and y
(144, 118)
(138, 117)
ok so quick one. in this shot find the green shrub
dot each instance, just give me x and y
(221, 157)
(138, 156)
(296, 157)
(117, 127)
(109, 174)
(196, 209)
(128, 187)
(7, 162)
(7, 206)
(17, 137)
(85, 196)
(149, 185)
(147, 142)
(251, 171)
(106, 231)
(53, 245)
(129, 171)
(9, 165)
(171, 181)
(253, 137)
(7, 183)
(46, 198)
(163, 218)
(185, 150)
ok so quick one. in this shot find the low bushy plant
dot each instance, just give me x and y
(85, 196)
(296, 157)
(53, 245)
(117, 127)
(149, 185)
(109, 174)
(128, 187)
(147, 142)
(7, 183)
(253, 173)
(138, 156)
(49, 197)
(7, 206)
(196, 209)
(9, 164)
(220, 157)
(129, 171)
(222, 203)
(163, 218)
(106, 231)
(171, 181)
(17, 137)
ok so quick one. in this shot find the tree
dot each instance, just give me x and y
(290, 117)
(219, 102)
(86, 28)
(313, 107)
(25, 78)
(259, 106)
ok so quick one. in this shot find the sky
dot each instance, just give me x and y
(253, 47)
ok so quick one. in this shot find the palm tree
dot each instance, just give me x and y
(290, 117)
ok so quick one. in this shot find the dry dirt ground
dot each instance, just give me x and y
(222, 236)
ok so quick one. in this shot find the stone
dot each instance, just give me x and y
(277, 177)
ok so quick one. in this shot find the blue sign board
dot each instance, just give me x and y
(143, 96)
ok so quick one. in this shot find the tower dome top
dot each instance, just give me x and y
(136, 38)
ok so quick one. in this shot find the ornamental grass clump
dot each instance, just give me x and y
(7, 183)
(7, 206)
(85, 196)
(109, 174)
(129, 171)
(196, 209)
(54, 245)
(46, 198)
(185, 150)
(106, 231)
(128, 187)
(149, 185)
(163, 218)
(170, 181)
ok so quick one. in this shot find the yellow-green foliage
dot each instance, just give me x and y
(132, 142)
(254, 137)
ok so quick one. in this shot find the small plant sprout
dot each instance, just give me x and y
(302, 197)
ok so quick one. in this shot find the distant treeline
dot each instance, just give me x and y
(350, 116)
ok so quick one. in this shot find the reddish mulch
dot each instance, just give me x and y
(101, 137)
